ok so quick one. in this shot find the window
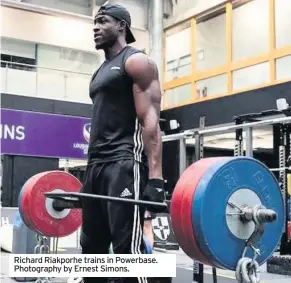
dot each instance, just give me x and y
(17, 54)
(232, 45)
(250, 30)
(283, 23)
(251, 76)
(17, 63)
(211, 43)
(178, 95)
(178, 52)
(67, 59)
(18, 67)
(69, 72)
(283, 68)
(212, 86)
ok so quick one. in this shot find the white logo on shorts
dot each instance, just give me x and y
(126, 193)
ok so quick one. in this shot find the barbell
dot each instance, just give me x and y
(222, 209)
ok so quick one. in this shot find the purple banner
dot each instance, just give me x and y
(46, 135)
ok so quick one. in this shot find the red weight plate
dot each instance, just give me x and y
(189, 181)
(289, 230)
(175, 212)
(38, 209)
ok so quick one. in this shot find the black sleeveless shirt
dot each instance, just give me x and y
(115, 130)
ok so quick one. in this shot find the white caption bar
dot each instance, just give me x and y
(64, 265)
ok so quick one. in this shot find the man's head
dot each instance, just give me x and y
(111, 22)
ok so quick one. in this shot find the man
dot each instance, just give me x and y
(125, 149)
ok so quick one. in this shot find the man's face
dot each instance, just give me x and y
(106, 31)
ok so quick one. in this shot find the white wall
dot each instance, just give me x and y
(60, 73)
(55, 30)
(46, 84)
(60, 41)
(138, 10)
(75, 6)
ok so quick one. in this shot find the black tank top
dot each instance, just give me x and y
(115, 130)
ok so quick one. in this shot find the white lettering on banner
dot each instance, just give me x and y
(82, 146)
(66, 265)
(12, 132)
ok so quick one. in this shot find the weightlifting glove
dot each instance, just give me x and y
(155, 192)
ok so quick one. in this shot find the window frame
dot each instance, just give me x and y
(230, 66)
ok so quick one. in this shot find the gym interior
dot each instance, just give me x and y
(225, 73)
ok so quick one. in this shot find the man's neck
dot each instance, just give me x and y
(114, 49)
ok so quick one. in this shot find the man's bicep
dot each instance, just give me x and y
(146, 86)
(147, 102)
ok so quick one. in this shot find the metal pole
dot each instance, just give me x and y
(280, 169)
(249, 142)
(156, 31)
(183, 156)
(69, 200)
(198, 267)
(225, 129)
(178, 136)
(238, 148)
(283, 181)
(67, 166)
(199, 140)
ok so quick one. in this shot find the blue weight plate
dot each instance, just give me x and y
(244, 180)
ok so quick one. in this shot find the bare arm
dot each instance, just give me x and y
(147, 97)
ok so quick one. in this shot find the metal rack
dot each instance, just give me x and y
(284, 162)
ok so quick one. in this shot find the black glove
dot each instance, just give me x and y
(155, 192)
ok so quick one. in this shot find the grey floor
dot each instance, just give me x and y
(183, 272)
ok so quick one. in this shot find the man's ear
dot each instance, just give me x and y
(122, 26)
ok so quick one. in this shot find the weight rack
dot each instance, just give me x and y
(245, 122)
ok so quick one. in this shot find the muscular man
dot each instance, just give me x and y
(124, 155)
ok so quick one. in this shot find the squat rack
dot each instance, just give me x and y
(198, 135)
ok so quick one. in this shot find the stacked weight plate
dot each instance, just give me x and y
(199, 210)
(36, 210)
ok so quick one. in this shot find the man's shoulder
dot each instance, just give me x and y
(140, 63)
(132, 53)
(133, 49)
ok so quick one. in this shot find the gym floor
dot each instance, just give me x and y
(184, 272)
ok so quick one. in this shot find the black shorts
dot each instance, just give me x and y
(113, 222)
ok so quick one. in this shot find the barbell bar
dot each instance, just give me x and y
(231, 202)
(62, 200)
